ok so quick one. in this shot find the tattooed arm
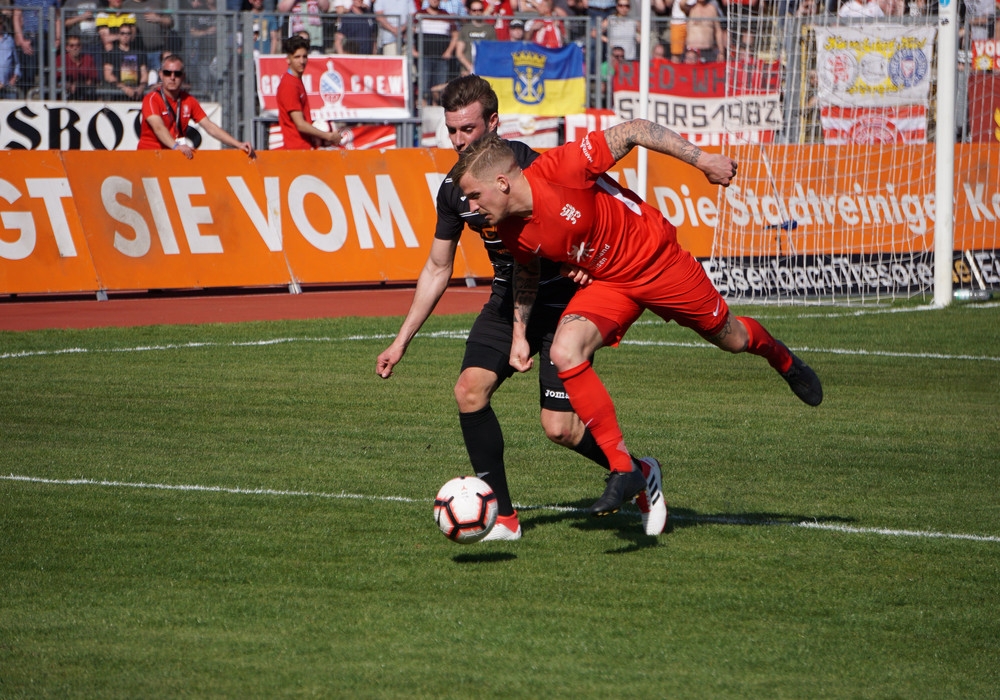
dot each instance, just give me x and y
(622, 138)
(525, 290)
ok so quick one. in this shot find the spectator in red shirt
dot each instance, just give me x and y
(167, 113)
(79, 76)
(294, 117)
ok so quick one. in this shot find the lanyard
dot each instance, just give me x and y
(176, 115)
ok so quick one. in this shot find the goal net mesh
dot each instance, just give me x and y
(838, 204)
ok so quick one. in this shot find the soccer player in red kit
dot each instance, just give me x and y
(168, 111)
(294, 117)
(564, 207)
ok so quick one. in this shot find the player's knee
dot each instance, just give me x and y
(564, 357)
(471, 394)
(559, 428)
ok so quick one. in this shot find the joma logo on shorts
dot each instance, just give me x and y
(570, 213)
(549, 394)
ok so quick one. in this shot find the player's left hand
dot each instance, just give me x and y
(719, 169)
(576, 273)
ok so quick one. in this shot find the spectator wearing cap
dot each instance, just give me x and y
(515, 30)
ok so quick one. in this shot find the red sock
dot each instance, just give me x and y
(763, 343)
(593, 404)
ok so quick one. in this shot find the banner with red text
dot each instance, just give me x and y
(342, 87)
(702, 104)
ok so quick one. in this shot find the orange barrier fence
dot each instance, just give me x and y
(79, 221)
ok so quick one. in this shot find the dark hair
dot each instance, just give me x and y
(469, 89)
(293, 44)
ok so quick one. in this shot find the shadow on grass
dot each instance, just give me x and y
(483, 557)
(629, 528)
(685, 517)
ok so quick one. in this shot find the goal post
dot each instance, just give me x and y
(854, 198)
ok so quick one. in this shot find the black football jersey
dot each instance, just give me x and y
(453, 216)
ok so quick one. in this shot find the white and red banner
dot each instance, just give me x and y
(875, 65)
(874, 83)
(707, 103)
(343, 87)
(871, 126)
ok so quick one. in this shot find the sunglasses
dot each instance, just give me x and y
(172, 73)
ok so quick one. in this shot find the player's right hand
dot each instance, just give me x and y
(385, 362)
(520, 356)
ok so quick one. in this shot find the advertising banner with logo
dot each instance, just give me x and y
(696, 100)
(85, 126)
(77, 221)
(342, 87)
(874, 83)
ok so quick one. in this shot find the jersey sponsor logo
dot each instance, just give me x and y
(587, 148)
(570, 213)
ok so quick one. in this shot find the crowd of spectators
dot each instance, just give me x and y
(111, 49)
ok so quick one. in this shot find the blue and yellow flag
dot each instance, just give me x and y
(532, 79)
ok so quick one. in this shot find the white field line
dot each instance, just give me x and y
(461, 334)
(706, 519)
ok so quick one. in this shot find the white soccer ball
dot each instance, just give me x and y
(465, 509)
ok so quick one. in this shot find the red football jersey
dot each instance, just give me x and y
(177, 116)
(582, 216)
(292, 97)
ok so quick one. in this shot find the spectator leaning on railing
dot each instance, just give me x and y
(168, 112)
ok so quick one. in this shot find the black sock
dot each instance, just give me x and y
(588, 448)
(484, 443)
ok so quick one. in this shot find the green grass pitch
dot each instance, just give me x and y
(246, 511)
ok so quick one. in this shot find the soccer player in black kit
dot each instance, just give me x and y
(471, 111)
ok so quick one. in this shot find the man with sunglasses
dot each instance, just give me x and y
(168, 111)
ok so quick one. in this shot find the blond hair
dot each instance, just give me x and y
(488, 156)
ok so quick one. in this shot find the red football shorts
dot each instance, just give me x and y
(676, 289)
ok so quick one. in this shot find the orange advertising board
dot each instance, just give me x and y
(157, 220)
(77, 221)
(42, 246)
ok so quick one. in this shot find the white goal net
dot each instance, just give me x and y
(838, 204)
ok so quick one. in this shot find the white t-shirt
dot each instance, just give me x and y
(392, 9)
